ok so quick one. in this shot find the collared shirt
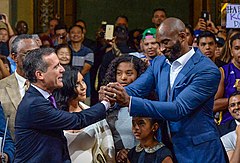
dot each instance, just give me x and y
(83, 55)
(21, 83)
(13, 64)
(44, 93)
(178, 65)
(237, 122)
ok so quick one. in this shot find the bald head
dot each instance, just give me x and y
(172, 38)
(170, 25)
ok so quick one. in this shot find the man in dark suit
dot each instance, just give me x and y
(39, 123)
(186, 82)
(8, 150)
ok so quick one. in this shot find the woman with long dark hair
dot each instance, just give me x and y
(93, 143)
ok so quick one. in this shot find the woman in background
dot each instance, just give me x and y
(64, 54)
(226, 52)
(94, 143)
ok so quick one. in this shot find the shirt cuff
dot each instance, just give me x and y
(106, 104)
(129, 106)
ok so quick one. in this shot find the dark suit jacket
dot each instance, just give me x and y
(9, 145)
(188, 107)
(39, 128)
(227, 127)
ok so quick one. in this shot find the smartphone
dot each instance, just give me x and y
(109, 32)
(205, 15)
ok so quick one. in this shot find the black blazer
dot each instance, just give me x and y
(227, 127)
(39, 128)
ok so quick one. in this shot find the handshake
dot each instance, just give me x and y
(114, 92)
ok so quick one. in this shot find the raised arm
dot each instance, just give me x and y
(220, 103)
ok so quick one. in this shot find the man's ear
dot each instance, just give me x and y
(155, 127)
(39, 75)
(182, 36)
(14, 57)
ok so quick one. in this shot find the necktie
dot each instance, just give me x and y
(52, 100)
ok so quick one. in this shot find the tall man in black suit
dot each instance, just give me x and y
(39, 123)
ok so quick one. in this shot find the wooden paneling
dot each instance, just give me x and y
(45, 10)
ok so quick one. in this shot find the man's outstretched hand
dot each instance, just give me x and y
(114, 92)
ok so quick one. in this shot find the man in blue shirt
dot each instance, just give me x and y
(8, 150)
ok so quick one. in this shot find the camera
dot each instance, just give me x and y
(205, 15)
(62, 37)
(101, 34)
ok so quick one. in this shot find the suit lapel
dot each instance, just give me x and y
(13, 91)
(186, 69)
(164, 82)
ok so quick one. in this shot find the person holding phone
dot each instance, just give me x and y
(61, 34)
(4, 19)
(205, 24)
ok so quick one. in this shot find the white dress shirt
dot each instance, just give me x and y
(178, 65)
(21, 83)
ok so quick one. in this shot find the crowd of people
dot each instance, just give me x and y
(167, 93)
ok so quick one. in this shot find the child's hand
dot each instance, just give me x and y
(122, 155)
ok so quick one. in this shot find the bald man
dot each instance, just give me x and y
(186, 82)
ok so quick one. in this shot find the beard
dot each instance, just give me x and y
(174, 52)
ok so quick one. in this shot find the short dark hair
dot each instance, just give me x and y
(68, 91)
(233, 38)
(21, 21)
(60, 26)
(54, 19)
(159, 9)
(81, 20)
(190, 28)
(122, 16)
(75, 26)
(233, 94)
(34, 61)
(60, 46)
(206, 34)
